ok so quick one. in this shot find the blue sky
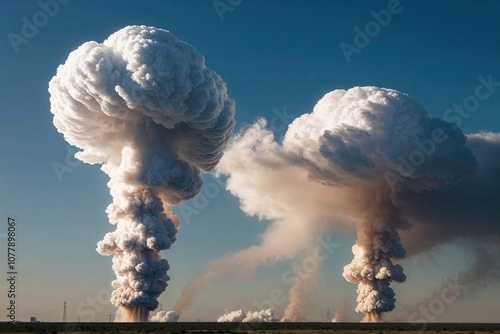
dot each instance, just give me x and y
(278, 58)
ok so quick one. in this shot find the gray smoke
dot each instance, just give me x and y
(144, 106)
(468, 210)
(483, 272)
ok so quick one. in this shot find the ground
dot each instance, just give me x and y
(246, 328)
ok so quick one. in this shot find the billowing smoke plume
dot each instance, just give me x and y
(233, 316)
(142, 104)
(256, 316)
(366, 157)
(165, 316)
(374, 141)
(340, 313)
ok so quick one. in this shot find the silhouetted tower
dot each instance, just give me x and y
(161, 307)
(328, 315)
(109, 315)
(64, 312)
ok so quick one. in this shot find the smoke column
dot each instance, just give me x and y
(351, 162)
(144, 106)
(372, 268)
(370, 133)
(340, 313)
(303, 287)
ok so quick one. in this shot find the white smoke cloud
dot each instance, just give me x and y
(256, 316)
(358, 160)
(233, 316)
(165, 316)
(142, 104)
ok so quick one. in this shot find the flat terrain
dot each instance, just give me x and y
(246, 328)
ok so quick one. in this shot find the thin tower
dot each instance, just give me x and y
(64, 312)
(328, 316)
(161, 307)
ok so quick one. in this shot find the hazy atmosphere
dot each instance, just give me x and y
(250, 161)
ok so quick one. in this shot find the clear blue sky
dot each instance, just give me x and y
(274, 55)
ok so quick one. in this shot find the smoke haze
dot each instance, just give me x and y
(340, 313)
(483, 271)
